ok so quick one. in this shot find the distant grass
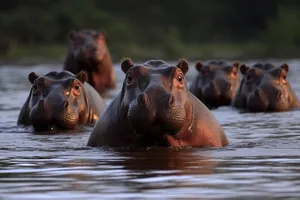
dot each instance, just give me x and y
(233, 51)
(35, 54)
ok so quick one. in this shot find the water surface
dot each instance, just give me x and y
(261, 161)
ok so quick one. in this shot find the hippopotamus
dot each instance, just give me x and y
(87, 51)
(155, 108)
(265, 88)
(60, 100)
(216, 83)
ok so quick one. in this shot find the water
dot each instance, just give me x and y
(262, 159)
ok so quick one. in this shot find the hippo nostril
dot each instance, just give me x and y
(142, 99)
(171, 100)
(65, 104)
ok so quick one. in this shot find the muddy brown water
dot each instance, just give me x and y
(262, 160)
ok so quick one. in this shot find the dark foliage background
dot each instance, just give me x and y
(158, 28)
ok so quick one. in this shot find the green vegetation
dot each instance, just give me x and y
(169, 29)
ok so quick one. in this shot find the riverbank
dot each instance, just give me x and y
(39, 54)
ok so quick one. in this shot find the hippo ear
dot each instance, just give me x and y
(126, 65)
(183, 65)
(244, 68)
(82, 76)
(285, 67)
(32, 76)
(236, 64)
(198, 65)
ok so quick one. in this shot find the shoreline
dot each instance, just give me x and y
(55, 54)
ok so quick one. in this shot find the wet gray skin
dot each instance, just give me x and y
(88, 51)
(265, 88)
(155, 107)
(60, 100)
(216, 83)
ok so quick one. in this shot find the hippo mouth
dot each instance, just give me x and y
(48, 118)
(156, 130)
(51, 127)
(153, 130)
(52, 124)
(154, 135)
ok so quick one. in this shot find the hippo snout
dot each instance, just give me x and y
(280, 102)
(167, 99)
(149, 110)
(53, 111)
(212, 90)
(88, 51)
(218, 92)
(167, 102)
(40, 115)
(257, 101)
(142, 99)
(267, 100)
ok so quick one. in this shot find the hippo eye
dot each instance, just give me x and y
(77, 86)
(284, 79)
(34, 87)
(180, 78)
(76, 89)
(129, 78)
(248, 78)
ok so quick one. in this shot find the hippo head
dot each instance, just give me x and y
(88, 47)
(155, 98)
(216, 83)
(57, 100)
(265, 88)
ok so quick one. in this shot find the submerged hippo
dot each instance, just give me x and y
(62, 100)
(265, 87)
(216, 83)
(88, 52)
(155, 107)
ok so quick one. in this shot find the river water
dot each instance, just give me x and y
(262, 160)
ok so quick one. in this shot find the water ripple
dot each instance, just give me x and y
(262, 160)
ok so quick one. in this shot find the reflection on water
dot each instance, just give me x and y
(261, 161)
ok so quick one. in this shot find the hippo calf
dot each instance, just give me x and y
(155, 108)
(216, 83)
(87, 51)
(265, 88)
(62, 100)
